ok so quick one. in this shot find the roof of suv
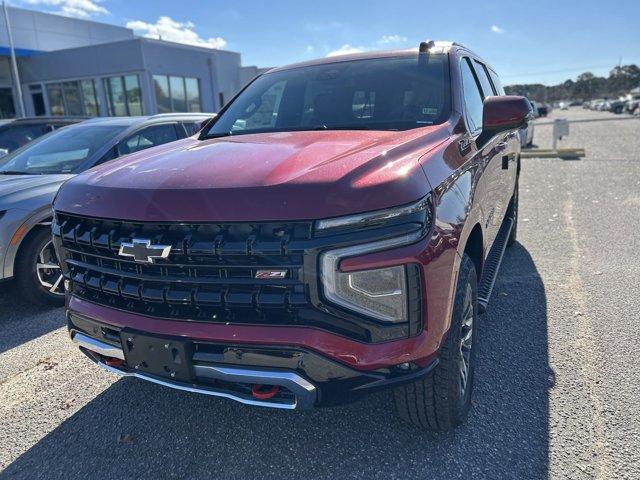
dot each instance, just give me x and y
(438, 47)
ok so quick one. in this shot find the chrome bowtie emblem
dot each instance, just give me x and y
(142, 251)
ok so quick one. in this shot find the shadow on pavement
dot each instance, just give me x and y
(139, 430)
(21, 320)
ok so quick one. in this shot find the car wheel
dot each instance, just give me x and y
(513, 213)
(38, 273)
(442, 399)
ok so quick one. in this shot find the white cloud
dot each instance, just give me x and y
(309, 49)
(73, 8)
(345, 50)
(171, 30)
(497, 29)
(392, 39)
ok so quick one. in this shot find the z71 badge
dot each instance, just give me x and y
(271, 274)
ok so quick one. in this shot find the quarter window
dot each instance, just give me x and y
(177, 94)
(497, 83)
(485, 83)
(472, 97)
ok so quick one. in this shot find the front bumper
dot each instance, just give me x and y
(304, 378)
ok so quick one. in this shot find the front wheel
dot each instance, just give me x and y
(442, 400)
(38, 272)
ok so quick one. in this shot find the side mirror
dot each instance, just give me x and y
(504, 113)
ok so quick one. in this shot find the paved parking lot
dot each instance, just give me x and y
(557, 388)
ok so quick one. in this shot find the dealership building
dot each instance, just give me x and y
(70, 66)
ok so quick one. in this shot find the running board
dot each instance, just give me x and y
(492, 264)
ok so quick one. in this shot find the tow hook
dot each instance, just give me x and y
(264, 392)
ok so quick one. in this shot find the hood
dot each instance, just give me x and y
(259, 177)
(29, 192)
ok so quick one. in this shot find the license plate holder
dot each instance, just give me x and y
(158, 356)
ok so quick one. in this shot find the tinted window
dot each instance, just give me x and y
(472, 97)
(148, 137)
(395, 93)
(62, 151)
(485, 83)
(14, 137)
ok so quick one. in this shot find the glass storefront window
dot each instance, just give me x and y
(71, 93)
(89, 98)
(73, 98)
(193, 94)
(56, 102)
(163, 97)
(132, 89)
(123, 95)
(115, 95)
(177, 94)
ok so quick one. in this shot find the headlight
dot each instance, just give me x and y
(380, 293)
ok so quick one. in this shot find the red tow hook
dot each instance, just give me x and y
(113, 362)
(270, 392)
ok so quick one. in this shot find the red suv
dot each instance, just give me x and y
(335, 230)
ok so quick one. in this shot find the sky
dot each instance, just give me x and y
(525, 41)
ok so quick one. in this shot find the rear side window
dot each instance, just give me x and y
(147, 138)
(485, 83)
(472, 97)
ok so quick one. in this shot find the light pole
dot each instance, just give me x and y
(14, 64)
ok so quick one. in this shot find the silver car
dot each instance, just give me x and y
(31, 176)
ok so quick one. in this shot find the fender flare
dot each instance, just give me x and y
(42, 217)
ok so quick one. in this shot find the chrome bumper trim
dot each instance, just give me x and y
(304, 391)
(97, 346)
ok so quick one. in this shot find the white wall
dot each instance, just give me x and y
(45, 32)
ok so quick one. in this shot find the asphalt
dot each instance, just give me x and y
(556, 390)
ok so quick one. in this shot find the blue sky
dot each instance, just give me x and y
(526, 41)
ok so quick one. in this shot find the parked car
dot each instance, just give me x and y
(617, 106)
(544, 109)
(19, 132)
(632, 104)
(336, 230)
(31, 176)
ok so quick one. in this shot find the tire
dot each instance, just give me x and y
(34, 281)
(439, 401)
(513, 213)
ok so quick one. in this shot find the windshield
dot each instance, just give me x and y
(60, 152)
(396, 93)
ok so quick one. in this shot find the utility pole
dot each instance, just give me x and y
(14, 64)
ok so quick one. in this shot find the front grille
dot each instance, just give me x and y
(209, 274)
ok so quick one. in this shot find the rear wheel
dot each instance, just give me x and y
(441, 400)
(38, 272)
